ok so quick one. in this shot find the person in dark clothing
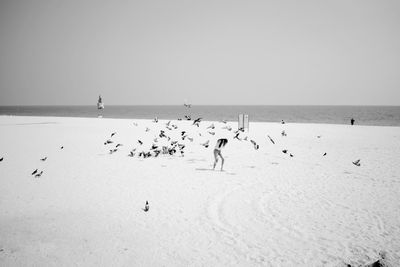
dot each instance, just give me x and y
(352, 121)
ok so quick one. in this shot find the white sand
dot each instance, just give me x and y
(265, 209)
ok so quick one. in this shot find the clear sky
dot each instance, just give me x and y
(163, 52)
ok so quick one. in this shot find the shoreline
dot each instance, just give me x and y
(230, 121)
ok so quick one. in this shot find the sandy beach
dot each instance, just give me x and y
(265, 209)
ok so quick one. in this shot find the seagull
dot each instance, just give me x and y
(357, 163)
(271, 139)
(245, 139)
(43, 159)
(146, 207)
(211, 126)
(167, 124)
(206, 144)
(113, 150)
(131, 154)
(114, 133)
(318, 136)
(212, 133)
(255, 144)
(197, 122)
(174, 126)
(284, 151)
(34, 172)
(108, 142)
(284, 133)
(190, 139)
(324, 154)
(223, 121)
(62, 147)
(155, 119)
(1, 159)
(237, 136)
(291, 155)
(147, 129)
(188, 117)
(140, 142)
(153, 147)
(188, 105)
(229, 128)
(135, 124)
(118, 145)
(37, 175)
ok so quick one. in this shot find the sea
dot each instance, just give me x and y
(363, 115)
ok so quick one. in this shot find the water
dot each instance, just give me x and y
(364, 115)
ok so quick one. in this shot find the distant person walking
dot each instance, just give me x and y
(217, 152)
(352, 121)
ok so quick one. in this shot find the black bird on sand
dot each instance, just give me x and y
(34, 172)
(272, 141)
(108, 142)
(197, 121)
(146, 206)
(43, 159)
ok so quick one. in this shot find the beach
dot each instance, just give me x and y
(266, 208)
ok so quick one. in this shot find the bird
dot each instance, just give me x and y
(197, 121)
(237, 136)
(206, 144)
(154, 147)
(37, 175)
(113, 150)
(324, 154)
(284, 133)
(155, 119)
(318, 136)
(255, 144)
(229, 128)
(211, 126)
(272, 141)
(146, 206)
(291, 155)
(357, 163)
(223, 121)
(187, 117)
(190, 139)
(183, 133)
(43, 159)
(284, 151)
(188, 105)
(62, 147)
(1, 159)
(167, 124)
(112, 134)
(131, 154)
(118, 145)
(140, 142)
(147, 129)
(34, 172)
(108, 142)
(135, 124)
(212, 133)
(245, 139)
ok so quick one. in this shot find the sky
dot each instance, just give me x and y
(167, 52)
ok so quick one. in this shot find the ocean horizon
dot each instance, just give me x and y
(363, 115)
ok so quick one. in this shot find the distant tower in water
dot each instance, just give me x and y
(100, 104)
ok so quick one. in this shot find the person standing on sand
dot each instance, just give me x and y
(217, 151)
(352, 121)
